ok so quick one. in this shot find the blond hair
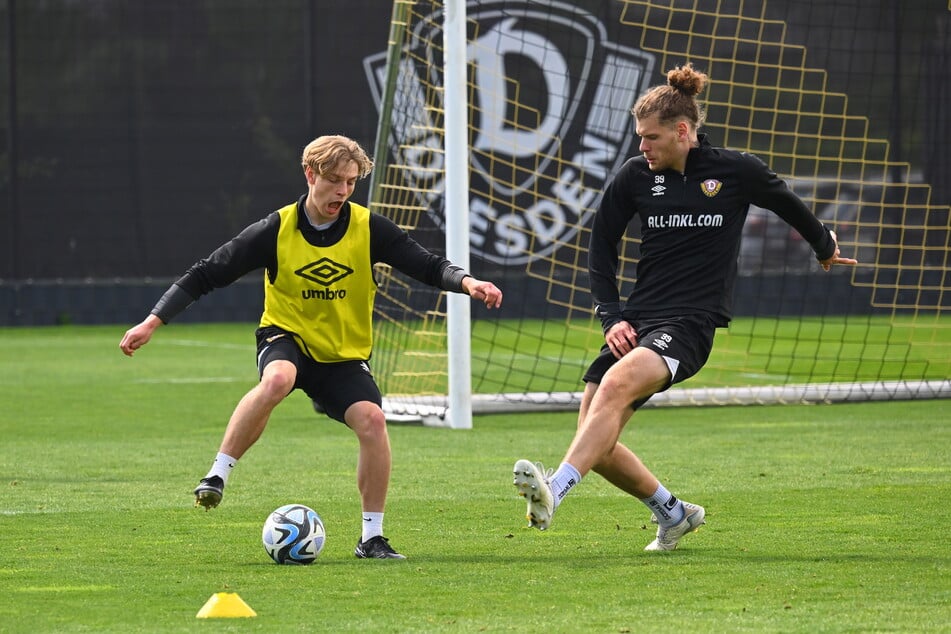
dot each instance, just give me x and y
(676, 100)
(324, 153)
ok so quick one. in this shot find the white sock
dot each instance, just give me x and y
(222, 466)
(372, 525)
(668, 509)
(562, 481)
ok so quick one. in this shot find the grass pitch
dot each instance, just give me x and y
(820, 518)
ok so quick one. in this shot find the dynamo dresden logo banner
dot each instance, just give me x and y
(549, 113)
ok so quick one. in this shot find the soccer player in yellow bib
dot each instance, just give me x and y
(315, 333)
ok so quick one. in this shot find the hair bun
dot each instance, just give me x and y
(687, 80)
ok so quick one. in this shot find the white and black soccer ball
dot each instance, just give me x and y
(293, 534)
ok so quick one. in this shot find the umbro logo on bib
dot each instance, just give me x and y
(324, 271)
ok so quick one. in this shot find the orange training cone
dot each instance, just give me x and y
(225, 605)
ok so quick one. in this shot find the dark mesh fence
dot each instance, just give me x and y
(143, 135)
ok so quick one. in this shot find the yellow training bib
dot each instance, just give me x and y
(324, 295)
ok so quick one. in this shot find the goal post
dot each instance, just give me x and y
(501, 163)
(459, 413)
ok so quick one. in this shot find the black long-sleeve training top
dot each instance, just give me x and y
(256, 248)
(691, 225)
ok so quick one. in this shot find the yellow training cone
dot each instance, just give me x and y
(225, 605)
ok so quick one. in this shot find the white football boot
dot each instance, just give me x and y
(667, 538)
(531, 480)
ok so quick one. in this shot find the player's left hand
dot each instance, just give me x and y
(486, 292)
(836, 257)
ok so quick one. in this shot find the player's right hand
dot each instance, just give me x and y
(621, 338)
(139, 335)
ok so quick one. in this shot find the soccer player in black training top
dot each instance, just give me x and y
(316, 330)
(691, 199)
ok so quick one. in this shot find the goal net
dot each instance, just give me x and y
(550, 85)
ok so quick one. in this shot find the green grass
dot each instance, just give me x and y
(820, 518)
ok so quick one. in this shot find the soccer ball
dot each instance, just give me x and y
(293, 534)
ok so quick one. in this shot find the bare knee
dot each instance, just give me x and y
(614, 384)
(639, 375)
(367, 421)
(276, 383)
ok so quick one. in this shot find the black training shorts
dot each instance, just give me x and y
(685, 341)
(333, 386)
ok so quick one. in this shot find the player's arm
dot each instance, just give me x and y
(392, 245)
(610, 223)
(771, 192)
(253, 248)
